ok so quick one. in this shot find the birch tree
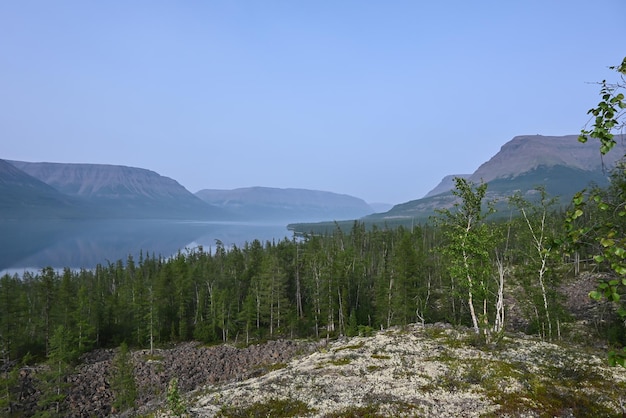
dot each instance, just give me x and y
(467, 246)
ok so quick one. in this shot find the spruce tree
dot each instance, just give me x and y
(123, 380)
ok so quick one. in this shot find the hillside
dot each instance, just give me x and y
(266, 203)
(561, 164)
(431, 370)
(24, 196)
(122, 192)
(526, 153)
(446, 184)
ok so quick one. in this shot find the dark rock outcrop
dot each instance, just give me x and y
(89, 392)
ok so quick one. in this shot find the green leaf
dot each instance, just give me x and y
(607, 242)
(598, 258)
(578, 198)
(595, 295)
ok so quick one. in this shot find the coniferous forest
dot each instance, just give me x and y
(463, 268)
(470, 266)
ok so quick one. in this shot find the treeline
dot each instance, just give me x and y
(320, 286)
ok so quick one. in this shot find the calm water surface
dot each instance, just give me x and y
(84, 244)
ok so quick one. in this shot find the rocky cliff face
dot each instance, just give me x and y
(266, 203)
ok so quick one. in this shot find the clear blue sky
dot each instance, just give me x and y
(376, 99)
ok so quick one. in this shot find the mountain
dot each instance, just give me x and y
(529, 152)
(561, 164)
(24, 196)
(122, 192)
(274, 204)
(446, 184)
(380, 206)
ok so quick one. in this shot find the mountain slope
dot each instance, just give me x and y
(446, 184)
(120, 191)
(24, 196)
(561, 164)
(529, 152)
(266, 203)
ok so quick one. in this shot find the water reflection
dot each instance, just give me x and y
(83, 244)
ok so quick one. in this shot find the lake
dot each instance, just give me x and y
(33, 245)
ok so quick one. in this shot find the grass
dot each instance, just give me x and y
(342, 361)
(273, 407)
(351, 347)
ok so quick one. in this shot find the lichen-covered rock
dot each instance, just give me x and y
(428, 371)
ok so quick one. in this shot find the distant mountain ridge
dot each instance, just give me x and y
(120, 191)
(561, 164)
(42, 190)
(267, 203)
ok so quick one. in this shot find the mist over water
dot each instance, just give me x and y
(78, 244)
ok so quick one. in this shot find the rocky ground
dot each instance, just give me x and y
(193, 364)
(424, 371)
(432, 371)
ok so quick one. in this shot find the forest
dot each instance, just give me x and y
(462, 268)
(468, 266)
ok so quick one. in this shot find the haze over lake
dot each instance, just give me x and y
(32, 245)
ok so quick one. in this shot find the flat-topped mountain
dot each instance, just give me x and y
(561, 164)
(121, 192)
(267, 203)
(526, 153)
(101, 191)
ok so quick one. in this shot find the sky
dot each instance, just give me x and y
(375, 99)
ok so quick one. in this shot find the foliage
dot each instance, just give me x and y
(467, 246)
(53, 383)
(175, 403)
(597, 220)
(608, 115)
(123, 380)
(537, 274)
(348, 282)
(270, 408)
